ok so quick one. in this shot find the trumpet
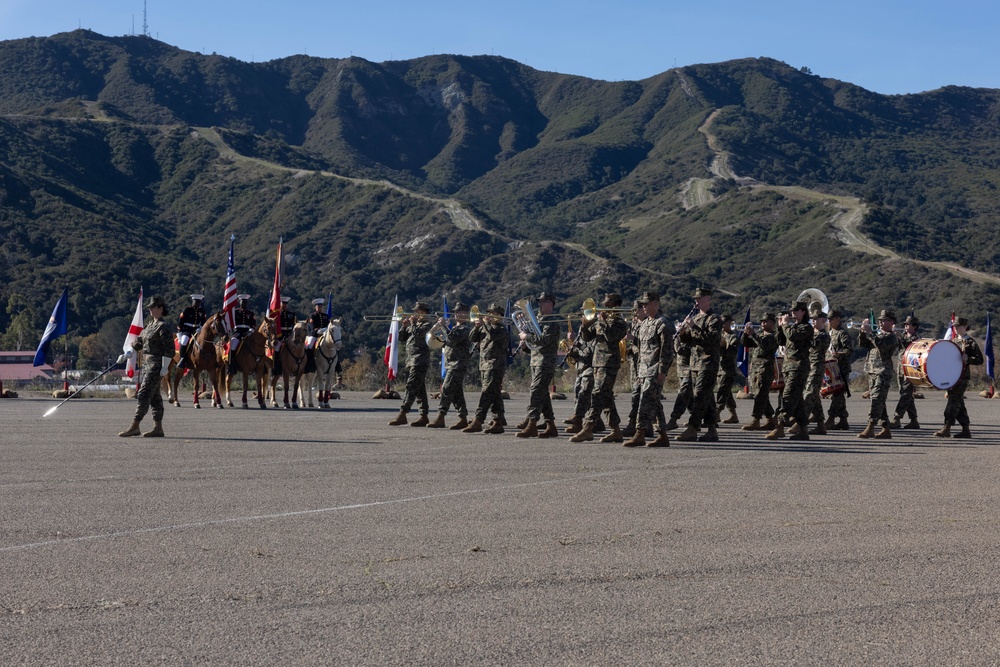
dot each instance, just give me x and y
(398, 315)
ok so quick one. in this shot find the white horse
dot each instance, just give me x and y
(327, 350)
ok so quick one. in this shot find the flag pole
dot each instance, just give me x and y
(103, 373)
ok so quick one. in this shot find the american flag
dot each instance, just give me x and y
(229, 294)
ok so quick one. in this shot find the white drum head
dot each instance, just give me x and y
(944, 364)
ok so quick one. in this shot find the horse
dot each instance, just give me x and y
(293, 364)
(251, 359)
(205, 356)
(327, 350)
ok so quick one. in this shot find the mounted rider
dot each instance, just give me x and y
(288, 320)
(245, 323)
(317, 324)
(191, 320)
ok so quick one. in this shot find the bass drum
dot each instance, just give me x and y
(933, 363)
(778, 383)
(833, 383)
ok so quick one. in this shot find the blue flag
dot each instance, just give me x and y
(443, 369)
(329, 306)
(989, 348)
(743, 356)
(55, 328)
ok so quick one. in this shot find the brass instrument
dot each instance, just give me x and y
(475, 316)
(567, 347)
(591, 310)
(437, 336)
(398, 315)
(526, 321)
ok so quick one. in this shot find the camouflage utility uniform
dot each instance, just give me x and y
(954, 409)
(764, 345)
(817, 370)
(797, 339)
(705, 337)
(682, 355)
(418, 359)
(605, 336)
(881, 347)
(457, 352)
(155, 342)
(905, 405)
(493, 346)
(543, 367)
(655, 356)
(842, 348)
(730, 348)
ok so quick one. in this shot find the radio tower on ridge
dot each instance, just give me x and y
(145, 25)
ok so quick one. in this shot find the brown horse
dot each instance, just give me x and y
(251, 359)
(205, 356)
(293, 364)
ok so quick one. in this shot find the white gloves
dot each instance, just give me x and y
(165, 365)
(125, 355)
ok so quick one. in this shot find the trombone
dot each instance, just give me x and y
(398, 315)
(475, 316)
(591, 310)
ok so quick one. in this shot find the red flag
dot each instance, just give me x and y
(229, 292)
(391, 358)
(279, 274)
(133, 334)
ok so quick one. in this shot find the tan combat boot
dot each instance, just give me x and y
(820, 428)
(638, 439)
(752, 426)
(945, 431)
(965, 433)
(437, 423)
(885, 433)
(842, 424)
(912, 424)
(523, 424)
(690, 434)
(399, 420)
(586, 434)
(629, 429)
(530, 429)
(615, 436)
(423, 421)
(830, 421)
(475, 427)
(495, 428)
(157, 431)
(575, 425)
(661, 440)
(133, 429)
(777, 434)
(550, 430)
(732, 418)
(459, 425)
(770, 424)
(795, 428)
(897, 422)
(869, 431)
(711, 435)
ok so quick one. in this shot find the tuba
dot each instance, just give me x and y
(526, 321)
(437, 336)
(814, 297)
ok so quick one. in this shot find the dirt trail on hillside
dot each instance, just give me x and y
(846, 221)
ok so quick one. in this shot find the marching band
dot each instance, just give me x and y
(803, 354)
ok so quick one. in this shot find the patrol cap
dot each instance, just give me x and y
(962, 322)
(461, 307)
(817, 312)
(835, 314)
(636, 305)
(612, 299)
(800, 305)
(768, 316)
(158, 302)
(495, 309)
(726, 317)
(319, 302)
(421, 305)
(887, 315)
(547, 296)
(648, 297)
(912, 319)
(702, 291)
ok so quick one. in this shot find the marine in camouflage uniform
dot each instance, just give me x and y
(493, 337)
(156, 343)
(728, 369)
(413, 333)
(704, 332)
(544, 351)
(906, 405)
(682, 366)
(842, 349)
(954, 409)
(881, 346)
(764, 344)
(605, 333)
(582, 352)
(655, 353)
(457, 352)
(796, 334)
(632, 356)
(817, 370)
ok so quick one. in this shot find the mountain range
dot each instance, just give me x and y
(126, 163)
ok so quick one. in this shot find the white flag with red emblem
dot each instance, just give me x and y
(391, 358)
(950, 333)
(134, 330)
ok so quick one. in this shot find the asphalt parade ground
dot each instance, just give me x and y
(249, 537)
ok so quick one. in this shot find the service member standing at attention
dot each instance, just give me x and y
(457, 352)
(655, 352)
(817, 369)
(842, 349)
(682, 367)
(605, 333)
(881, 346)
(543, 370)
(413, 333)
(954, 409)
(704, 332)
(156, 343)
(764, 344)
(582, 356)
(632, 355)
(796, 334)
(727, 373)
(906, 405)
(491, 333)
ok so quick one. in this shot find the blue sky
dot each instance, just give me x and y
(888, 47)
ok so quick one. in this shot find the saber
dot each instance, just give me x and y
(103, 373)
